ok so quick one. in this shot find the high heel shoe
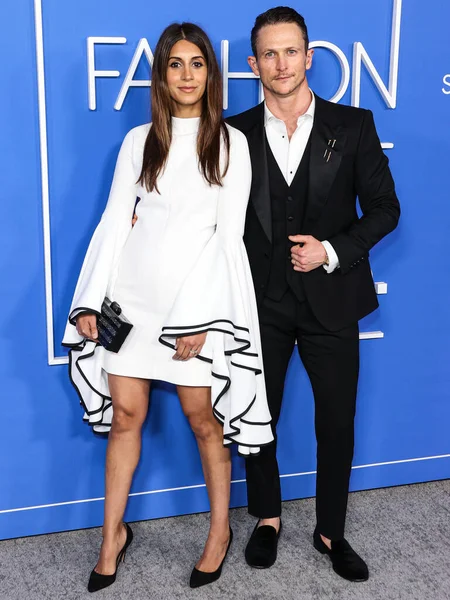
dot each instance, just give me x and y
(199, 578)
(97, 581)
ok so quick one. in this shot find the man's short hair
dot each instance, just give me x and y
(274, 16)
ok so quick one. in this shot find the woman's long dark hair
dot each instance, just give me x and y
(212, 126)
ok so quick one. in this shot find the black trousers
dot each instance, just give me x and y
(331, 360)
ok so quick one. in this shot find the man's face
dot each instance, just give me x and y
(282, 59)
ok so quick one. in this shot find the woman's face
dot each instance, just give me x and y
(186, 77)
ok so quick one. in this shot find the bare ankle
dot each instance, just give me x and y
(220, 530)
(112, 533)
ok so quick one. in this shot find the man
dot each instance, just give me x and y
(308, 252)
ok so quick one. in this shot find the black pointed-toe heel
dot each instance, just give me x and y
(97, 581)
(199, 578)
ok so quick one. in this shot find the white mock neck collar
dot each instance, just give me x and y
(181, 126)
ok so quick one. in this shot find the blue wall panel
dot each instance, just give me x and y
(51, 465)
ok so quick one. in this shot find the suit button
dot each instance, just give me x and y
(290, 218)
(266, 254)
(290, 198)
(262, 286)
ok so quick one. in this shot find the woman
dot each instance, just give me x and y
(181, 276)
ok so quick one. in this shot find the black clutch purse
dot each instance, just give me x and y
(112, 325)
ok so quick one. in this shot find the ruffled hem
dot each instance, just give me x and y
(234, 341)
(93, 392)
(90, 382)
(218, 298)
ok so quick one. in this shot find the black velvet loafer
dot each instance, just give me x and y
(261, 550)
(344, 559)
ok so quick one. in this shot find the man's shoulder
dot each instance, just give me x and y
(247, 119)
(341, 112)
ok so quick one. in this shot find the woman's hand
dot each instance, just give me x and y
(87, 326)
(189, 346)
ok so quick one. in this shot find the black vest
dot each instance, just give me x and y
(288, 209)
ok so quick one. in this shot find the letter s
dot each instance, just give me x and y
(446, 81)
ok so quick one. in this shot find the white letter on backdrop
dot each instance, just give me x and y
(360, 56)
(345, 79)
(92, 73)
(142, 48)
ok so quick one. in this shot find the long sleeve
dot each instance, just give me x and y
(95, 279)
(107, 241)
(218, 297)
(377, 198)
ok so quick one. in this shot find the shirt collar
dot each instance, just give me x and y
(268, 116)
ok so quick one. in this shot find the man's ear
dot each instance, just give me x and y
(309, 57)
(253, 65)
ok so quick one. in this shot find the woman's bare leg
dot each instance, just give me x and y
(216, 462)
(130, 405)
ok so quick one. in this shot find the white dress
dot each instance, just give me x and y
(182, 269)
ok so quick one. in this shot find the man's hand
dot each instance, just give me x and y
(133, 220)
(87, 326)
(189, 346)
(309, 255)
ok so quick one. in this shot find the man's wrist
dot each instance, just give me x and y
(333, 259)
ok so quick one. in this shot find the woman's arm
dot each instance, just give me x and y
(109, 235)
(123, 193)
(235, 192)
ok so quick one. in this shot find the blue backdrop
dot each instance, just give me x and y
(51, 465)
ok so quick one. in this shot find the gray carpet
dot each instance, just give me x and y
(402, 532)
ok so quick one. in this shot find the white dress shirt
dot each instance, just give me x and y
(289, 153)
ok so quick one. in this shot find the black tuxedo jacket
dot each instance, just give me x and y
(356, 167)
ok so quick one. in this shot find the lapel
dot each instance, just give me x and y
(327, 144)
(260, 192)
